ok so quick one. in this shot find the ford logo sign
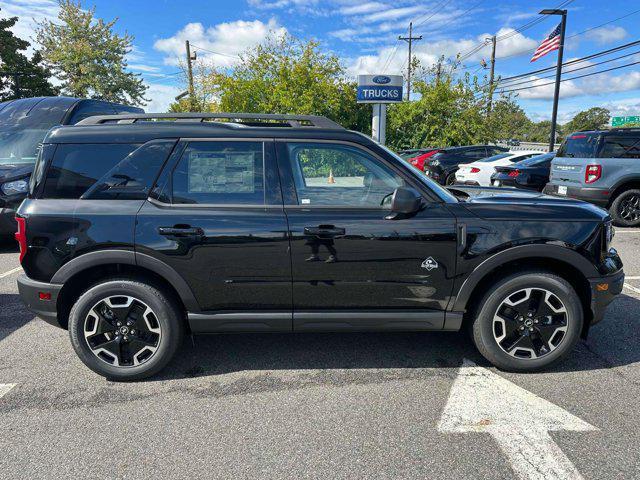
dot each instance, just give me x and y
(381, 79)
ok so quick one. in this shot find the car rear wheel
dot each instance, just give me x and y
(125, 329)
(528, 322)
(451, 179)
(625, 209)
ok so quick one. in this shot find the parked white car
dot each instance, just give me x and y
(479, 172)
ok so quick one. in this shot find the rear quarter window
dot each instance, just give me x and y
(623, 146)
(76, 167)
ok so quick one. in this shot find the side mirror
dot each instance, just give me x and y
(404, 202)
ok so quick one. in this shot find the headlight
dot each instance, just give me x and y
(17, 186)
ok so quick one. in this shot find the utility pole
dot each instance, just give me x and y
(556, 93)
(410, 39)
(438, 71)
(492, 71)
(190, 76)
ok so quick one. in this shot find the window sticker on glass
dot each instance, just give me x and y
(213, 172)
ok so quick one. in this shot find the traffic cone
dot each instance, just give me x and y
(331, 179)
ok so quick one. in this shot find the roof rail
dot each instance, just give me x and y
(246, 119)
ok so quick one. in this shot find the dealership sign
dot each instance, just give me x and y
(379, 88)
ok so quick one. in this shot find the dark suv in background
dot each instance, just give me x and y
(442, 166)
(138, 230)
(23, 125)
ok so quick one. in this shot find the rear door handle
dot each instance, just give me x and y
(181, 231)
(324, 230)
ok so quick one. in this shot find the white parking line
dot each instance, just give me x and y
(626, 277)
(633, 289)
(5, 387)
(619, 230)
(10, 272)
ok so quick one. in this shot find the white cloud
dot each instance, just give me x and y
(429, 52)
(227, 40)
(161, 96)
(28, 12)
(393, 14)
(627, 106)
(608, 34)
(361, 8)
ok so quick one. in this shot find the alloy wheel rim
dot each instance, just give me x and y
(630, 208)
(122, 331)
(530, 323)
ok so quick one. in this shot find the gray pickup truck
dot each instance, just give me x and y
(601, 167)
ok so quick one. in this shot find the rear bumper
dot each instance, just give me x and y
(603, 290)
(597, 196)
(30, 294)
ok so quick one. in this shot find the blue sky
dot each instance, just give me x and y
(364, 34)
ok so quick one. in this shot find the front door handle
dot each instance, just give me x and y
(185, 231)
(324, 231)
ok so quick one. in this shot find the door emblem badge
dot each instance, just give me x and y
(429, 264)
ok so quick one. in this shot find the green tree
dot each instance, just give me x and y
(509, 120)
(593, 119)
(285, 75)
(88, 56)
(448, 112)
(20, 76)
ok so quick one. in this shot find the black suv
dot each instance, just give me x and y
(443, 165)
(136, 232)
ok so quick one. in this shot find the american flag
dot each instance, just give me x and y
(551, 43)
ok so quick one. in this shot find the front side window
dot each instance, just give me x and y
(340, 175)
(626, 146)
(220, 173)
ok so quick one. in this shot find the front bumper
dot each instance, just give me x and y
(30, 291)
(597, 196)
(603, 290)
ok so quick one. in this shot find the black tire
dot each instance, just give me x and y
(485, 333)
(625, 209)
(165, 315)
(451, 179)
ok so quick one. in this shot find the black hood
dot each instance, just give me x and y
(10, 172)
(516, 204)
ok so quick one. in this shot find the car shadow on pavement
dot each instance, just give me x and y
(13, 314)
(612, 343)
(8, 245)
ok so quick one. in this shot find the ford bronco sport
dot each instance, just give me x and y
(139, 229)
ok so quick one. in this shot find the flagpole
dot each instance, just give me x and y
(556, 94)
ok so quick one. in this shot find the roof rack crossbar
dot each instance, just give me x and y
(297, 121)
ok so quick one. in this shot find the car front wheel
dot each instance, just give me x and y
(528, 322)
(125, 329)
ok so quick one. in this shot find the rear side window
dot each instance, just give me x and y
(579, 145)
(623, 146)
(220, 173)
(76, 167)
(133, 177)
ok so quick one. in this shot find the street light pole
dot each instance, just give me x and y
(556, 94)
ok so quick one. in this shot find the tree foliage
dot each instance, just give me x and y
(593, 119)
(283, 75)
(20, 76)
(88, 56)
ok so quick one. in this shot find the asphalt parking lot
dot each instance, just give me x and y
(422, 405)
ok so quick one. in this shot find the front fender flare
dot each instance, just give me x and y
(550, 252)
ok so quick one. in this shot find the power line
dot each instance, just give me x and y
(572, 78)
(571, 62)
(574, 69)
(215, 53)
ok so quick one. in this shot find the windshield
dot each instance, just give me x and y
(496, 157)
(20, 145)
(580, 145)
(444, 194)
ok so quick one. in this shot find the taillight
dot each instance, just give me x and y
(514, 173)
(592, 173)
(475, 170)
(21, 236)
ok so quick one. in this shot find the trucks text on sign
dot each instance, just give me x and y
(379, 88)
